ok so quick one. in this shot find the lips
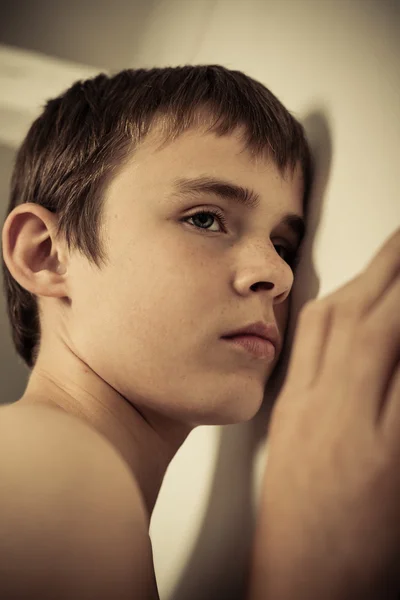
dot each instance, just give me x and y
(258, 329)
(253, 344)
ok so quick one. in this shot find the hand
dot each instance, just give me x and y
(330, 507)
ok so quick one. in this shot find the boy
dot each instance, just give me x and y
(153, 215)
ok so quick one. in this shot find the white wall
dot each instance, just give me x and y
(335, 65)
(92, 32)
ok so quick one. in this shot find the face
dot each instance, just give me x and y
(149, 324)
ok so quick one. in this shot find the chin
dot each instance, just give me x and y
(240, 410)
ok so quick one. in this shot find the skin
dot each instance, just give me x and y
(135, 349)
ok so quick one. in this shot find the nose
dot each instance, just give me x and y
(264, 271)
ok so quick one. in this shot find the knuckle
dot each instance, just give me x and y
(313, 308)
(347, 302)
(370, 332)
(349, 309)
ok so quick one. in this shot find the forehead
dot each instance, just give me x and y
(155, 168)
(196, 149)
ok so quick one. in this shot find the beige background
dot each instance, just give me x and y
(335, 65)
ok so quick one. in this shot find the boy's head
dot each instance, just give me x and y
(105, 263)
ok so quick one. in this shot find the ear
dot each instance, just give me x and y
(33, 255)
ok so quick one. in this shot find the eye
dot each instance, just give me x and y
(215, 214)
(291, 255)
(286, 251)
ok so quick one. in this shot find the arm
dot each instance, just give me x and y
(72, 521)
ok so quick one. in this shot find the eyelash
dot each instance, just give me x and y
(293, 255)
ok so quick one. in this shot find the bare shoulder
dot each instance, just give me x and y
(71, 513)
(49, 434)
(64, 437)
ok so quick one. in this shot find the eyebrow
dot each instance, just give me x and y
(243, 196)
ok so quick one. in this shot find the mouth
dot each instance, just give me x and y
(254, 345)
(260, 338)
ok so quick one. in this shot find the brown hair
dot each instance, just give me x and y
(72, 150)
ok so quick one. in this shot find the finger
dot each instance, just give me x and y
(361, 354)
(308, 345)
(350, 306)
(390, 419)
(345, 308)
(325, 326)
(376, 350)
(382, 269)
(316, 324)
(370, 285)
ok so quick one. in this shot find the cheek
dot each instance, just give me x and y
(148, 301)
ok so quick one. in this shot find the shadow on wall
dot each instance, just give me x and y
(218, 565)
(13, 371)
